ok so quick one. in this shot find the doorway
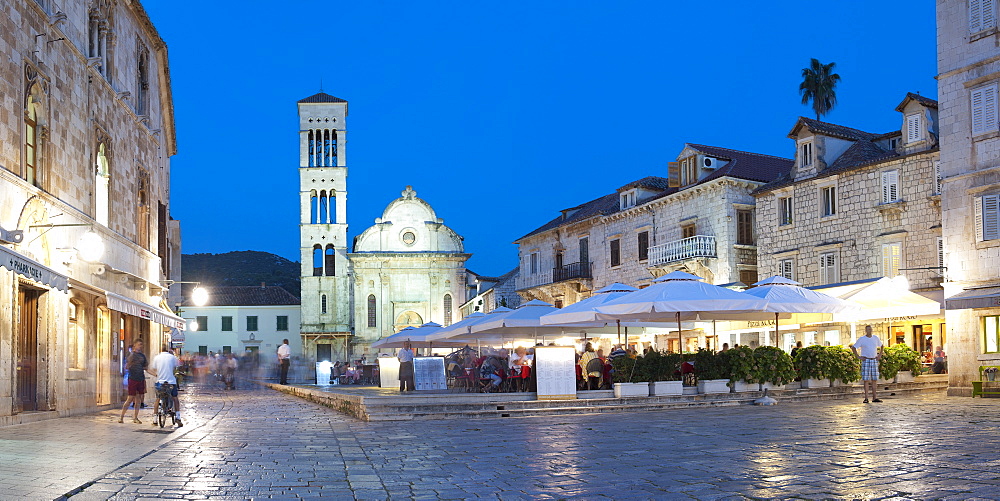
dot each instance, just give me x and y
(324, 352)
(105, 340)
(27, 349)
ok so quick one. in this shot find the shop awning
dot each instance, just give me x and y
(983, 297)
(32, 269)
(143, 310)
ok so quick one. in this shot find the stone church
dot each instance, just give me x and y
(405, 270)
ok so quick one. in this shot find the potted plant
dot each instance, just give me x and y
(844, 367)
(664, 374)
(774, 367)
(898, 359)
(742, 371)
(627, 378)
(813, 365)
(712, 373)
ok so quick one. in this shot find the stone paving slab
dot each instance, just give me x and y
(260, 444)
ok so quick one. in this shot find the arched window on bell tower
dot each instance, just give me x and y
(332, 206)
(317, 260)
(323, 209)
(331, 260)
(313, 207)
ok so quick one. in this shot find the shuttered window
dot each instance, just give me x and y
(984, 109)
(937, 177)
(987, 212)
(890, 186)
(982, 15)
(744, 227)
(828, 201)
(913, 133)
(829, 270)
(892, 255)
(643, 242)
(786, 268)
(940, 256)
(806, 154)
(616, 252)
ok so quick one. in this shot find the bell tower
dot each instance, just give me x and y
(325, 275)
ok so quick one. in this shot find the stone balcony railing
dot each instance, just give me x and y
(685, 248)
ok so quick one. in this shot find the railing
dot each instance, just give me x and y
(572, 270)
(685, 248)
(533, 280)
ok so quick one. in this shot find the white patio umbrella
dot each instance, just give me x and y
(460, 328)
(417, 336)
(786, 296)
(683, 296)
(583, 312)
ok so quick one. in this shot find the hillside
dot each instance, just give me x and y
(241, 268)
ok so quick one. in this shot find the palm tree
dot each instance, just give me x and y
(819, 84)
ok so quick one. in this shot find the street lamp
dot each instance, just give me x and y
(89, 248)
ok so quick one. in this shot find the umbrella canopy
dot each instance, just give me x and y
(462, 326)
(683, 296)
(417, 336)
(786, 296)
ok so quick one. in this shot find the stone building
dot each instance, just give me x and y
(490, 293)
(86, 132)
(699, 220)
(407, 269)
(970, 165)
(856, 207)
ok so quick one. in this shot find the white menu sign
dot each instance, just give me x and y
(555, 372)
(428, 373)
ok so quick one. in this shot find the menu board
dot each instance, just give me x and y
(323, 373)
(388, 372)
(428, 373)
(555, 372)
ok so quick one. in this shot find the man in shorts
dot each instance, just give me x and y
(871, 353)
(164, 366)
(135, 367)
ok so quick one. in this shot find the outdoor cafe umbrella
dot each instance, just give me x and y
(583, 312)
(786, 296)
(417, 336)
(462, 326)
(683, 296)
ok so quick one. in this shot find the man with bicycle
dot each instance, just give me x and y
(164, 366)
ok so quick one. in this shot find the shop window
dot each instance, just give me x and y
(991, 334)
(831, 338)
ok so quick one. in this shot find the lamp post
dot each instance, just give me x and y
(89, 248)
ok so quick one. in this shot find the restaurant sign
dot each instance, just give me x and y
(753, 324)
(907, 318)
(32, 270)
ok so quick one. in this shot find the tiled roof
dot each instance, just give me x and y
(248, 295)
(652, 182)
(322, 97)
(829, 129)
(926, 101)
(745, 164)
(887, 135)
(607, 204)
(860, 153)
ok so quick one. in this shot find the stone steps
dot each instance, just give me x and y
(379, 405)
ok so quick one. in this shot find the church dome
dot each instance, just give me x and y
(409, 224)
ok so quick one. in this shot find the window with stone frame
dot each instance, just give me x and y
(983, 103)
(533, 263)
(982, 15)
(892, 258)
(688, 230)
(828, 201)
(322, 304)
(99, 40)
(201, 323)
(330, 261)
(987, 217)
(937, 177)
(913, 129)
(372, 314)
(744, 228)
(281, 323)
(940, 257)
(689, 170)
(102, 183)
(806, 154)
(144, 210)
(786, 268)
(991, 334)
(642, 239)
(447, 309)
(33, 134)
(76, 351)
(227, 323)
(784, 211)
(890, 186)
(142, 81)
(251, 322)
(616, 252)
(628, 199)
(829, 268)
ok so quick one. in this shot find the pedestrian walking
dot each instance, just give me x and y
(405, 357)
(164, 366)
(871, 353)
(135, 367)
(284, 360)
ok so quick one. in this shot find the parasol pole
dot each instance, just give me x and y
(776, 330)
(680, 335)
(619, 322)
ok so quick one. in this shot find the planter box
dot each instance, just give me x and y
(769, 386)
(816, 383)
(741, 386)
(666, 388)
(706, 386)
(624, 390)
(904, 377)
(883, 381)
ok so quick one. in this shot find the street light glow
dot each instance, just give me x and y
(199, 296)
(90, 247)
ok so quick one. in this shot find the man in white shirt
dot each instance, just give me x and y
(164, 366)
(405, 357)
(871, 353)
(284, 359)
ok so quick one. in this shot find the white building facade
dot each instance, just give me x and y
(86, 132)
(968, 85)
(405, 270)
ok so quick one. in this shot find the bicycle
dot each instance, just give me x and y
(164, 392)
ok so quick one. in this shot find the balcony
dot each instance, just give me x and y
(685, 248)
(572, 270)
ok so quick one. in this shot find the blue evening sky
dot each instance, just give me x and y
(500, 114)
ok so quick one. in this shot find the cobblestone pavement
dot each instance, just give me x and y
(256, 444)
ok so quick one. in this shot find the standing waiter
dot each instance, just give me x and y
(284, 356)
(405, 357)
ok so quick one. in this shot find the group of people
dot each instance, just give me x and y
(163, 368)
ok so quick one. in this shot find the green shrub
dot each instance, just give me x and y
(899, 357)
(624, 370)
(773, 365)
(741, 365)
(843, 364)
(812, 362)
(710, 365)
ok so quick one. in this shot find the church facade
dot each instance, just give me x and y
(405, 270)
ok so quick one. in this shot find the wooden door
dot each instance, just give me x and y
(27, 349)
